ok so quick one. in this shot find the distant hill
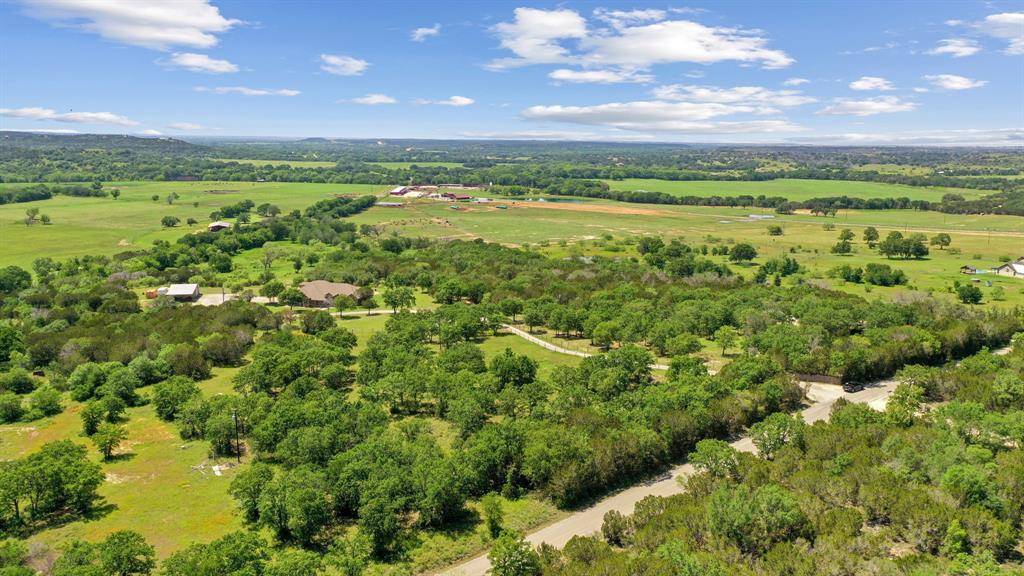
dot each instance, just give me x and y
(102, 141)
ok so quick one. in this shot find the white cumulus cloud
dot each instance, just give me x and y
(421, 34)
(956, 47)
(954, 82)
(34, 113)
(620, 18)
(795, 81)
(871, 83)
(342, 65)
(749, 95)
(246, 91)
(868, 107)
(1008, 26)
(374, 99)
(599, 76)
(199, 63)
(457, 101)
(150, 23)
(636, 39)
(151, 132)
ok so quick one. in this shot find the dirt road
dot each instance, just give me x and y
(556, 348)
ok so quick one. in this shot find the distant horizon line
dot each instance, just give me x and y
(223, 137)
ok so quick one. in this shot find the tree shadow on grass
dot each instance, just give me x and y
(121, 457)
(97, 511)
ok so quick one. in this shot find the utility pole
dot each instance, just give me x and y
(238, 446)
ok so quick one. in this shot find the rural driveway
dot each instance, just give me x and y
(589, 520)
(555, 348)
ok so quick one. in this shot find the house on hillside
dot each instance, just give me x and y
(218, 226)
(1014, 269)
(183, 292)
(321, 293)
(968, 269)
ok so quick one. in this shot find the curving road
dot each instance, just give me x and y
(588, 520)
(556, 348)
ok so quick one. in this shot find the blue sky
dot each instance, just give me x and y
(806, 72)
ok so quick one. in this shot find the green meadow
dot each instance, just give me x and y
(104, 226)
(564, 229)
(795, 190)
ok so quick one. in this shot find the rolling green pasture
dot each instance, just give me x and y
(982, 239)
(795, 190)
(104, 226)
(292, 163)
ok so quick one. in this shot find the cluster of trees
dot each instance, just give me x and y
(945, 485)
(873, 273)
(895, 244)
(375, 460)
(57, 480)
(47, 191)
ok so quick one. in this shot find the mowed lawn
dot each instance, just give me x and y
(161, 486)
(795, 190)
(104, 226)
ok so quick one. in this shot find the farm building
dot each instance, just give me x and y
(398, 191)
(968, 269)
(182, 292)
(322, 293)
(456, 197)
(218, 226)
(389, 204)
(1014, 269)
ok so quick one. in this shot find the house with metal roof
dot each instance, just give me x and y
(183, 292)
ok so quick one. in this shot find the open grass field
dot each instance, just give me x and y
(566, 228)
(572, 226)
(104, 226)
(293, 163)
(151, 487)
(795, 190)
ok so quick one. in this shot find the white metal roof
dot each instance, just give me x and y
(182, 289)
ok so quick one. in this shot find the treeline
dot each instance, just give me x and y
(47, 191)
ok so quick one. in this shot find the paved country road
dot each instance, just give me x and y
(588, 520)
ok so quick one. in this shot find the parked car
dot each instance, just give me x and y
(851, 387)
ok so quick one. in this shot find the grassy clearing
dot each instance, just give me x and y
(104, 226)
(439, 548)
(152, 488)
(795, 190)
